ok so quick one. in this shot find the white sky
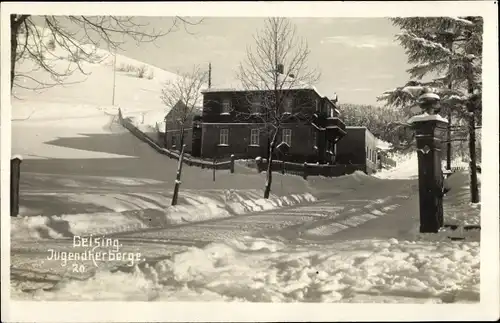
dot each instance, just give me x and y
(357, 57)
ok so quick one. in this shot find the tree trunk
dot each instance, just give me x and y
(182, 137)
(474, 190)
(14, 29)
(15, 23)
(269, 174)
(448, 130)
(178, 177)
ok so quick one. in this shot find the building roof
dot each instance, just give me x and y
(292, 86)
(197, 109)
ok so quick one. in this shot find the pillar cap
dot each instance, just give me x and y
(429, 96)
(427, 117)
(17, 157)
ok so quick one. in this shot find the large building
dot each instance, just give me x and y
(358, 147)
(237, 122)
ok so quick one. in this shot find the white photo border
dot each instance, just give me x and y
(487, 309)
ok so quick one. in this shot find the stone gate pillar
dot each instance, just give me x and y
(430, 128)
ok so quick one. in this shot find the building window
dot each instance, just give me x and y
(287, 136)
(226, 106)
(256, 103)
(254, 137)
(369, 153)
(224, 137)
(287, 102)
(318, 106)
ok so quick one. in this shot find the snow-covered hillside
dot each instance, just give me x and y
(137, 86)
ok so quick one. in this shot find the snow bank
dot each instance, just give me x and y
(63, 226)
(200, 208)
(458, 208)
(246, 206)
(261, 270)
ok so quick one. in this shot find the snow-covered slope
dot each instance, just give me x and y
(135, 94)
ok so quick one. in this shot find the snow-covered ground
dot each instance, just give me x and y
(238, 265)
(261, 270)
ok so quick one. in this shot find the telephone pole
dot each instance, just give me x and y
(209, 75)
(114, 78)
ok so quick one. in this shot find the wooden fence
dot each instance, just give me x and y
(188, 160)
(306, 170)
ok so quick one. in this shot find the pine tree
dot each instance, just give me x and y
(446, 54)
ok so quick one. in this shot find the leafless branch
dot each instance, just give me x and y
(276, 64)
(183, 99)
(76, 41)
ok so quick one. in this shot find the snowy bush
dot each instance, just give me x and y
(141, 71)
(126, 68)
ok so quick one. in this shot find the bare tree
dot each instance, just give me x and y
(183, 97)
(43, 40)
(276, 65)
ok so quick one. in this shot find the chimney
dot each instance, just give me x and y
(209, 75)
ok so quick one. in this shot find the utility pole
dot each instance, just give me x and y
(209, 75)
(114, 79)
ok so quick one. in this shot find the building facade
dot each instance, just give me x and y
(358, 147)
(183, 119)
(240, 122)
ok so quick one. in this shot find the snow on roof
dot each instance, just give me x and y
(292, 85)
(427, 117)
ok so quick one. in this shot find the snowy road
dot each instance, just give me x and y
(318, 222)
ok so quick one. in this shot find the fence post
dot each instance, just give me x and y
(232, 163)
(15, 175)
(120, 116)
(304, 174)
(258, 162)
(214, 168)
